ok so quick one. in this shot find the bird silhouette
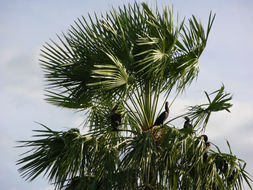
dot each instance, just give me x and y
(208, 145)
(206, 151)
(115, 119)
(163, 116)
(205, 138)
(187, 123)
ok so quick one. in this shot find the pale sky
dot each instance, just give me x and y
(25, 25)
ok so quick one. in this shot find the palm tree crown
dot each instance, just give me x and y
(117, 67)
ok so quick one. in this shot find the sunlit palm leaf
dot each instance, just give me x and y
(112, 76)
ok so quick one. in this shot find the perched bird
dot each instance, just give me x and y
(187, 123)
(208, 145)
(163, 116)
(115, 119)
(206, 152)
(205, 138)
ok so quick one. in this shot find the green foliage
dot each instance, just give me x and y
(201, 113)
(125, 61)
(119, 52)
(163, 158)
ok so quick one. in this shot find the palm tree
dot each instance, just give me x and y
(120, 69)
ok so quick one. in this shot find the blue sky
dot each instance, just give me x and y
(25, 25)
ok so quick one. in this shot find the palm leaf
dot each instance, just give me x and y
(201, 113)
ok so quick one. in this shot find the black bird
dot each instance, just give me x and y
(115, 119)
(187, 123)
(206, 152)
(205, 138)
(208, 145)
(163, 116)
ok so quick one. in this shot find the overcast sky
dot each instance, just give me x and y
(25, 25)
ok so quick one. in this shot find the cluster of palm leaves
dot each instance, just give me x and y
(131, 58)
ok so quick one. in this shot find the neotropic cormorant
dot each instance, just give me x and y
(208, 144)
(205, 138)
(115, 119)
(163, 116)
(187, 123)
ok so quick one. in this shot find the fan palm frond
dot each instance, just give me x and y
(130, 46)
(201, 113)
